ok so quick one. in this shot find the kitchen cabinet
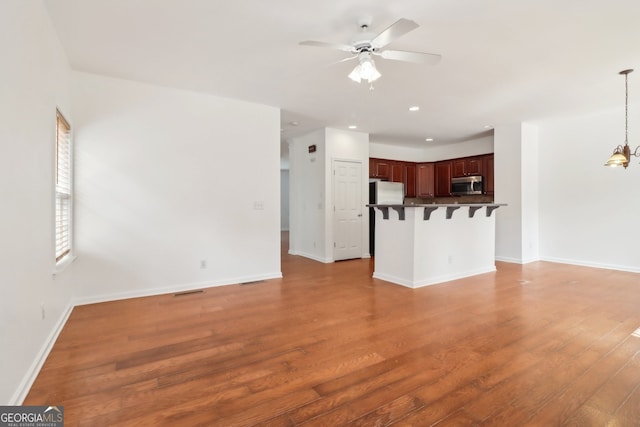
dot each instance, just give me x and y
(433, 179)
(425, 180)
(379, 168)
(487, 168)
(409, 179)
(467, 166)
(442, 175)
(404, 172)
(397, 172)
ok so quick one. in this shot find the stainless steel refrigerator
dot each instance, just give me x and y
(382, 193)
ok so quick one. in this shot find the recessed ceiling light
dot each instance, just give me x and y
(429, 139)
(414, 108)
(293, 123)
(353, 127)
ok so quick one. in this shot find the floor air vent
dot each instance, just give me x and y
(251, 283)
(181, 294)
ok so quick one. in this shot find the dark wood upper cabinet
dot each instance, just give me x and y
(443, 178)
(467, 166)
(425, 180)
(397, 172)
(409, 180)
(458, 167)
(379, 168)
(474, 166)
(487, 167)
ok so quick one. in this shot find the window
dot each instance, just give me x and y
(64, 197)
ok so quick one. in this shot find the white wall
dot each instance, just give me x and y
(432, 153)
(35, 80)
(474, 147)
(166, 179)
(589, 213)
(516, 184)
(507, 189)
(530, 193)
(307, 196)
(284, 199)
(395, 152)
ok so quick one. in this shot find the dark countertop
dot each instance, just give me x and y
(436, 205)
(450, 199)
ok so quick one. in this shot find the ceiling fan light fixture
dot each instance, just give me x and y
(365, 70)
(355, 74)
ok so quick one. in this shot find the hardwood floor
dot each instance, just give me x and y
(542, 344)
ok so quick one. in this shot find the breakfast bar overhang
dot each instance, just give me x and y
(420, 245)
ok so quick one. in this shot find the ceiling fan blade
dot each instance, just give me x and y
(397, 29)
(346, 59)
(342, 47)
(417, 57)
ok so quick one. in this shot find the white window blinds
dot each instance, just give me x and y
(63, 187)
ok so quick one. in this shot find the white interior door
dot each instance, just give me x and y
(347, 208)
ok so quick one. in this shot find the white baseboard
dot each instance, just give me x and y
(392, 279)
(581, 263)
(314, 257)
(514, 260)
(433, 280)
(173, 289)
(31, 375)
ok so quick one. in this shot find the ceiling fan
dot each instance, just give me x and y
(366, 44)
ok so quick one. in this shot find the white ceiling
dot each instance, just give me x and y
(503, 60)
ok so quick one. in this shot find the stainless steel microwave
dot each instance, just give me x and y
(466, 185)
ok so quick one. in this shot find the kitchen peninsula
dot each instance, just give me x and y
(424, 244)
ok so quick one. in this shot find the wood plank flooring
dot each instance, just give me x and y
(537, 345)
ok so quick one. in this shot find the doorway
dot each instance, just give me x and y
(347, 209)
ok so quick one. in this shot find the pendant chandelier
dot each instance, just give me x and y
(622, 153)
